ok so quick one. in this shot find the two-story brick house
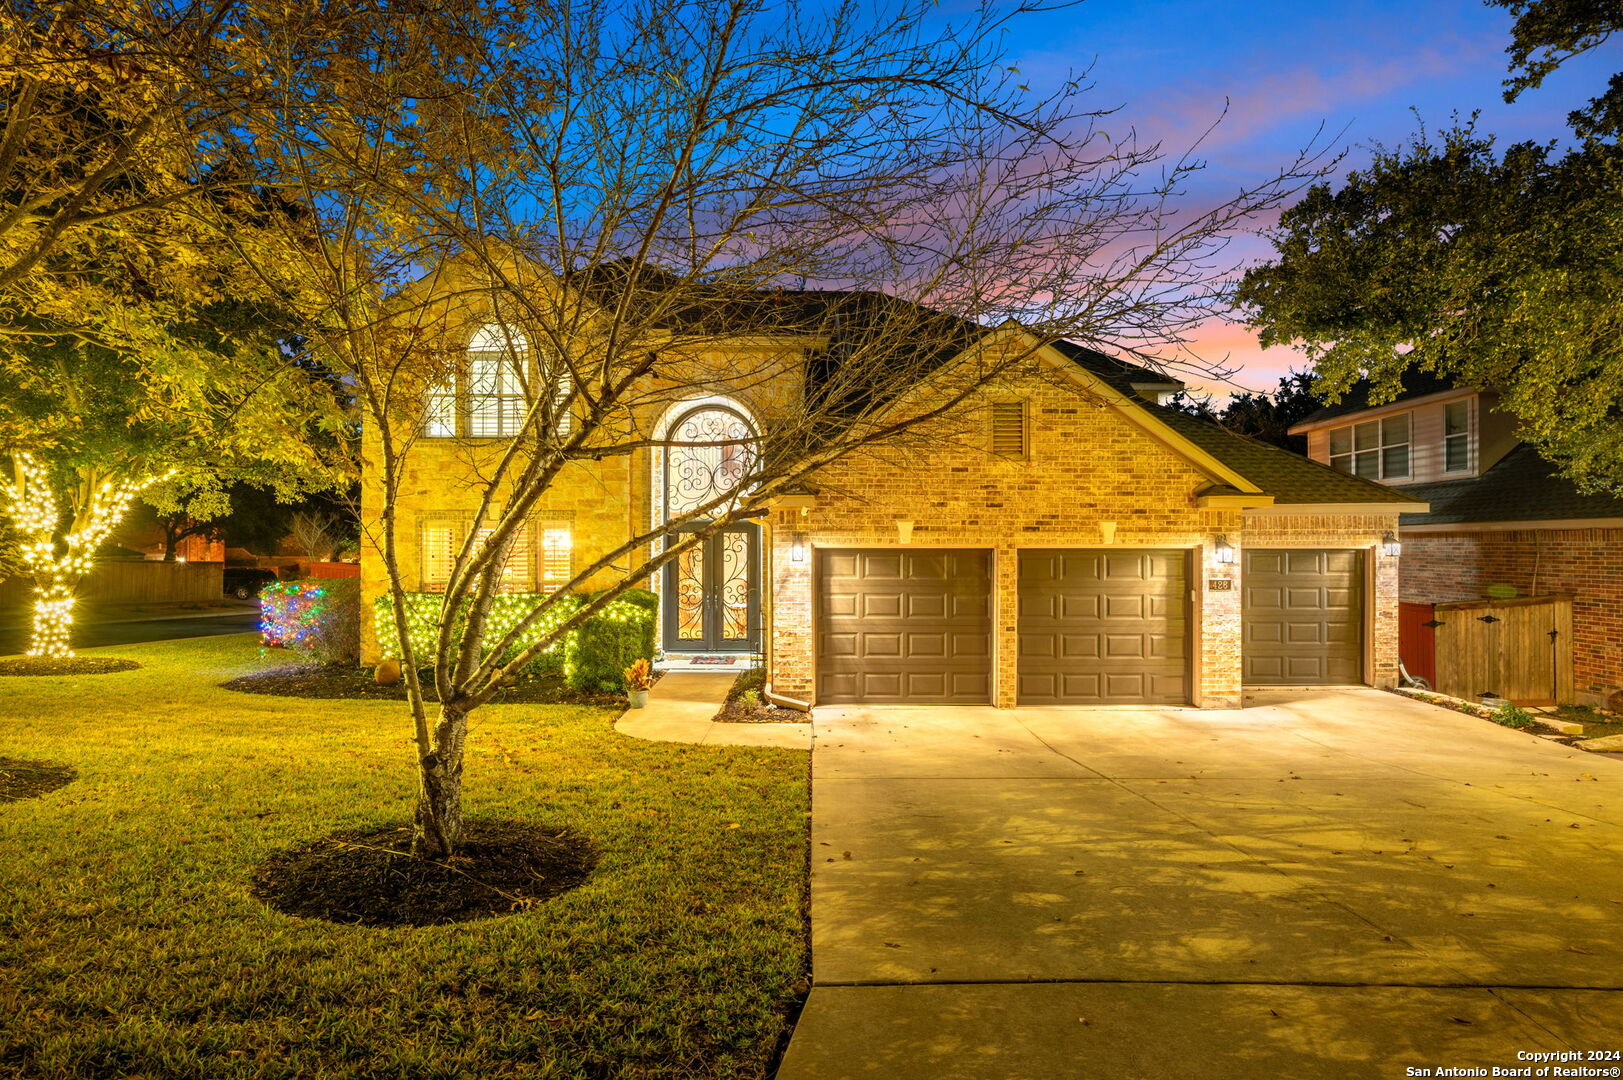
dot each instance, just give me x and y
(1500, 521)
(1083, 545)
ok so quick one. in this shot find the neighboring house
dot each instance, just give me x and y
(1501, 522)
(1083, 544)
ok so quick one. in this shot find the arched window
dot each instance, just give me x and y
(492, 394)
(711, 452)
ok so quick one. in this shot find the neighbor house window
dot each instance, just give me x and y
(1009, 429)
(1375, 449)
(490, 396)
(523, 568)
(1457, 436)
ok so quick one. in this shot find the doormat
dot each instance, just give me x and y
(714, 660)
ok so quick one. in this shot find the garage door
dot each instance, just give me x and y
(1303, 617)
(1103, 627)
(910, 626)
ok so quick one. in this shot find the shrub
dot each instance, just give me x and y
(319, 620)
(592, 657)
(1512, 716)
(423, 613)
(608, 642)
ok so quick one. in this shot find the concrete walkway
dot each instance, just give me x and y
(1339, 884)
(681, 707)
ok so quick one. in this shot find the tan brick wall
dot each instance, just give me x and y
(1087, 465)
(591, 497)
(1272, 530)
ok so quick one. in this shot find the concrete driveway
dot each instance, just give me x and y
(1335, 884)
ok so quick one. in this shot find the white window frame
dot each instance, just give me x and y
(490, 395)
(1463, 435)
(1347, 460)
(540, 557)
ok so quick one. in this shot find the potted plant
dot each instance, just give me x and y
(639, 677)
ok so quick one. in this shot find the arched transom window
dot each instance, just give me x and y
(492, 394)
(711, 451)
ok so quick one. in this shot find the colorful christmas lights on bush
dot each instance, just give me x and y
(320, 619)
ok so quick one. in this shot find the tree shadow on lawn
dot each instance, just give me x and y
(30, 779)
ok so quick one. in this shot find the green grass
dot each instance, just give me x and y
(130, 945)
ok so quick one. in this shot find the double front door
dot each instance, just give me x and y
(712, 594)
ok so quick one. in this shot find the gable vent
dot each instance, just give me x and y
(1009, 429)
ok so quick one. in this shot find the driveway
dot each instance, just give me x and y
(1336, 884)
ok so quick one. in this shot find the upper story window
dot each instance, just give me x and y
(1457, 436)
(1374, 449)
(491, 396)
(712, 450)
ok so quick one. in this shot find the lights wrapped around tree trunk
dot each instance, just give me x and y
(57, 565)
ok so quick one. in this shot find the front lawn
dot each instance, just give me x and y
(131, 944)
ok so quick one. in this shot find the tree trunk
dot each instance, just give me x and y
(53, 615)
(439, 793)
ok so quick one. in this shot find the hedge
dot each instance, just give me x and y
(592, 657)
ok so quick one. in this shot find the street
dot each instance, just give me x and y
(89, 634)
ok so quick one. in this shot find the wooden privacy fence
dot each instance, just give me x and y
(134, 581)
(1519, 650)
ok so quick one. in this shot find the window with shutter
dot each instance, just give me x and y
(557, 557)
(518, 562)
(440, 541)
(1009, 429)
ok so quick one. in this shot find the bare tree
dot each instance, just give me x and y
(626, 190)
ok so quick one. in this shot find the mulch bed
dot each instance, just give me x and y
(367, 877)
(738, 708)
(736, 712)
(66, 665)
(30, 779)
(346, 681)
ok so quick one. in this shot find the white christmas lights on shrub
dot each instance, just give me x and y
(423, 616)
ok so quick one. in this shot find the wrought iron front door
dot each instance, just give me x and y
(712, 595)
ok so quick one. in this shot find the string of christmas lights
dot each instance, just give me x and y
(57, 566)
(423, 616)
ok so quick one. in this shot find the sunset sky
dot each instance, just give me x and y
(1361, 69)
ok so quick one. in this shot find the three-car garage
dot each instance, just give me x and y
(1093, 626)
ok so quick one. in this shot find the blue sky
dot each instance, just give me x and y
(1285, 68)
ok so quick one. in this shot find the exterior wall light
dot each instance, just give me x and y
(1389, 545)
(1224, 550)
(797, 548)
(1107, 531)
(904, 532)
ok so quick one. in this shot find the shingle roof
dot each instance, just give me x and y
(1118, 373)
(1415, 384)
(1288, 477)
(1521, 487)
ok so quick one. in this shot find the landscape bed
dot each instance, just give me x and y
(133, 943)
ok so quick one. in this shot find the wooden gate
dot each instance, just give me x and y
(1520, 650)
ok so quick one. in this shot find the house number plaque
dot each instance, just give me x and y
(1220, 584)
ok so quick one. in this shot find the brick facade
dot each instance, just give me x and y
(1087, 466)
(1443, 567)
